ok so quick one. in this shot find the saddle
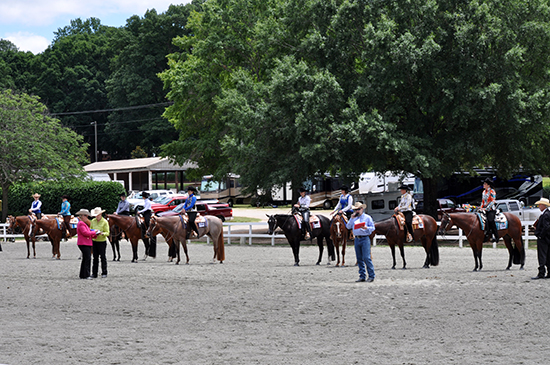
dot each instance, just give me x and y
(500, 220)
(417, 222)
(400, 219)
(314, 221)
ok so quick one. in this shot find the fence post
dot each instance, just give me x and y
(250, 234)
(460, 238)
(228, 235)
(526, 239)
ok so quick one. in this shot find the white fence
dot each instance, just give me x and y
(249, 235)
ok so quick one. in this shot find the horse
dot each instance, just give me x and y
(339, 235)
(132, 230)
(293, 234)
(25, 224)
(54, 229)
(174, 231)
(115, 236)
(176, 227)
(427, 236)
(469, 223)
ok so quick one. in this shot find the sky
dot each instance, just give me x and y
(30, 24)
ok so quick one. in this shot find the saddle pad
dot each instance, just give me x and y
(298, 220)
(315, 221)
(201, 222)
(417, 222)
(400, 219)
(500, 220)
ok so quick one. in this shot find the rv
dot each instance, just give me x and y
(227, 190)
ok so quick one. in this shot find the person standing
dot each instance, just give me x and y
(147, 211)
(488, 205)
(99, 244)
(66, 214)
(362, 226)
(123, 207)
(191, 210)
(406, 206)
(542, 231)
(36, 206)
(84, 241)
(303, 207)
(345, 203)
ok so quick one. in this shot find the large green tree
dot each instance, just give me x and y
(34, 146)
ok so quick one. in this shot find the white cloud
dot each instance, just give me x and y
(28, 42)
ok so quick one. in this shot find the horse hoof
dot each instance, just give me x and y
(425, 267)
(296, 264)
(521, 268)
(393, 267)
(508, 268)
(317, 263)
(403, 268)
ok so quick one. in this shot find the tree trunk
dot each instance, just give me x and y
(5, 190)
(430, 196)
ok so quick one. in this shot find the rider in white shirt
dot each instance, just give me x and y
(303, 207)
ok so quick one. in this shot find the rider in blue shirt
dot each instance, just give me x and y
(66, 213)
(191, 210)
(362, 226)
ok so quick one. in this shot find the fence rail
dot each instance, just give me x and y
(249, 235)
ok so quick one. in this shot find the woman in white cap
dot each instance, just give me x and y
(36, 206)
(99, 243)
(84, 241)
(542, 231)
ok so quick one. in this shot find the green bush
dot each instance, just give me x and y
(86, 194)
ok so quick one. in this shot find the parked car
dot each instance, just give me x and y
(448, 206)
(135, 199)
(167, 202)
(220, 210)
(517, 208)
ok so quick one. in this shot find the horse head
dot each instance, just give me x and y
(271, 224)
(152, 225)
(446, 223)
(12, 223)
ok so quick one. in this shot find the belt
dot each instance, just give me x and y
(362, 236)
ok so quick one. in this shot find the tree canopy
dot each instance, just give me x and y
(34, 146)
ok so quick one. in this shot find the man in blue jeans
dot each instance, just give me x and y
(362, 225)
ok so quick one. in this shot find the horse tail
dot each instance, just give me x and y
(221, 248)
(517, 254)
(434, 252)
(330, 248)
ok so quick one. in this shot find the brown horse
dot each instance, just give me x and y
(427, 236)
(174, 231)
(469, 223)
(339, 235)
(132, 230)
(115, 236)
(24, 223)
(54, 229)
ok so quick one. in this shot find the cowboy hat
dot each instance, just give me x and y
(302, 190)
(122, 194)
(543, 201)
(85, 212)
(35, 195)
(145, 195)
(358, 205)
(192, 188)
(65, 197)
(404, 187)
(97, 211)
(345, 188)
(489, 181)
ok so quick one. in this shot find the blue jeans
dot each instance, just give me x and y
(362, 253)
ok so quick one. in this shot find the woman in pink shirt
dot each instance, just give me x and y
(84, 241)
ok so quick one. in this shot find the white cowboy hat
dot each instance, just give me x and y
(83, 212)
(97, 211)
(543, 201)
(35, 195)
(358, 205)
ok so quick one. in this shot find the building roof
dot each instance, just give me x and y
(137, 164)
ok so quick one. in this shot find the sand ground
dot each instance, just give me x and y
(257, 308)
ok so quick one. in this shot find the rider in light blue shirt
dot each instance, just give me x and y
(362, 225)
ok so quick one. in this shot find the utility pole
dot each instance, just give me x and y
(95, 135)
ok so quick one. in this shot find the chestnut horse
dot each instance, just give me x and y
(25, 224)
(132, 230)
(176, 228)
(54, 229)
(427, 236)
(469, 223)
(174, 231)
(293, 234)
(339, 235)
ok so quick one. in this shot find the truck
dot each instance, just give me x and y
(517, 208)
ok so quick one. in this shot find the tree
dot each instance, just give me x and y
(34, 146)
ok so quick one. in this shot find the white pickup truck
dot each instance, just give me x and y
(517, 208)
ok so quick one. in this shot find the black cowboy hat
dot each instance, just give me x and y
(489, 181)
(122, 194)
(145, 194)
(192, 188)
(404, 187)
(345, 188)
(65, 197)
(302, 190)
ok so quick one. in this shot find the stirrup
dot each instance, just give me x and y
(409, 238)
(307, 236)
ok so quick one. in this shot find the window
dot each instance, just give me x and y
(392, 204)
(200, 207)
(502, 207)
(514, 206)
(377, 204)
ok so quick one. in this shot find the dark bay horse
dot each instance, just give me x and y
(470, 225)
(132, 230)
(293, 234)
(115, 236)
(339, 235)
(427, 236)
(54, 228)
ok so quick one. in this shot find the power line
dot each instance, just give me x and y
(116, 109)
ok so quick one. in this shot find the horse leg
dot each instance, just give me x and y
(392, 248)
(134, 250)
(320, 244)
(336, 241)
(508, 242)
(296, 251)
(344, 240)
(146, 243)
(28, 247)
(184, 245)
(480, 262)
(427, 249)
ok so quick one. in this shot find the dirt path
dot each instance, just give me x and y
(257, 308)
